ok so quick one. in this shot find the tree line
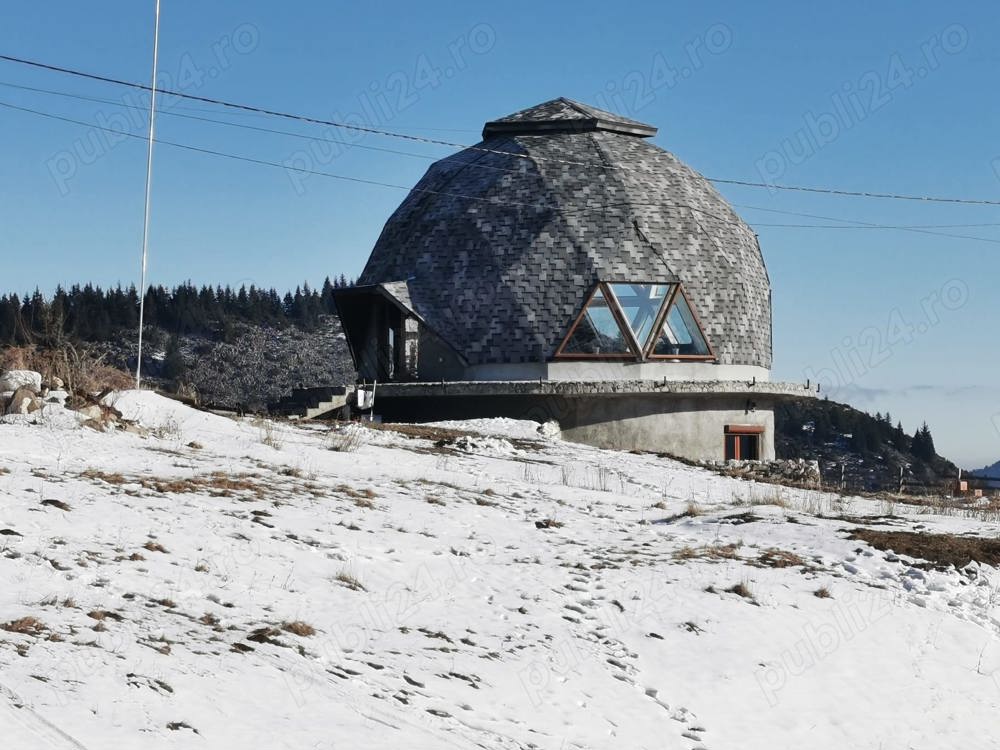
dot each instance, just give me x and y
(865, 434)
(90, 313)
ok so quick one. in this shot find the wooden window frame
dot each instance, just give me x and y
(626, 330)
(745, 429)
(648, 354)
(738, 431)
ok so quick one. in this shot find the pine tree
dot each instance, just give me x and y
(174, 366)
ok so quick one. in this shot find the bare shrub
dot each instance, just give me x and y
(346, 440)
(823, 593)
(80, 368)
(168, 429)
(268, 435)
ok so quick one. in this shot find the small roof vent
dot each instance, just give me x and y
(565, 116)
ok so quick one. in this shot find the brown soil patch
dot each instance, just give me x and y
(940, 549)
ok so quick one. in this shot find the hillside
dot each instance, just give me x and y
(199, 581)
(989, 471)
(257, 365)
(860, 452)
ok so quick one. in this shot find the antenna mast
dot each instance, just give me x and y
(149, 184)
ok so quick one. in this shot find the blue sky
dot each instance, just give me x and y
(892, 96)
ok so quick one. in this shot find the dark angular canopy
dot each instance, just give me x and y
(498, 247)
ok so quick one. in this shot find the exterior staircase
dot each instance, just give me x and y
(312, 403)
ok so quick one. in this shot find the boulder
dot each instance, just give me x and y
(56, 397)
(24, 401)
(13, 380)
(550, 429)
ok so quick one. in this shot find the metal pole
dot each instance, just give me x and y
(149, 184)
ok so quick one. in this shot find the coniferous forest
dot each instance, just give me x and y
(89, 313)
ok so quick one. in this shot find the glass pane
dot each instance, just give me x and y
(641, 304)
(730, 447)
(680, 333)
(598, 331)
(749, 447)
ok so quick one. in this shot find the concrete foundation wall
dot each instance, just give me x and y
(690, 426)
(693, 428)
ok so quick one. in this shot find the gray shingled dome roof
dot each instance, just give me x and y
(498, 246)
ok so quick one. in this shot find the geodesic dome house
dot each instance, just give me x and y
(567, 258)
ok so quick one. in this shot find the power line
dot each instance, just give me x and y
(452, 144)
(857, 193)
(290, 116)
(244, 126)
(868, 224)
(348, 178)
(880, 226)
(162, 111)
(264, 162)
(377, 183)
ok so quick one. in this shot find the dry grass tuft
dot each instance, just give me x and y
(103, 614)
(25, 625)
(548, 523)
(102, 476)
(709, 551)
(741, 589)
(779, 558)
(366, 494)
(155, 547)
(215, 484)
(349, 580)
(822, 593)
(297, 627)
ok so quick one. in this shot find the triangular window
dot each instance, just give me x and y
(624, 320)
(680, 335)
(641, 305)
(597, 332)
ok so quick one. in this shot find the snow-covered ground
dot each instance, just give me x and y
(222, 583)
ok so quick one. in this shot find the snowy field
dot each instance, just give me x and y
(220, 583)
